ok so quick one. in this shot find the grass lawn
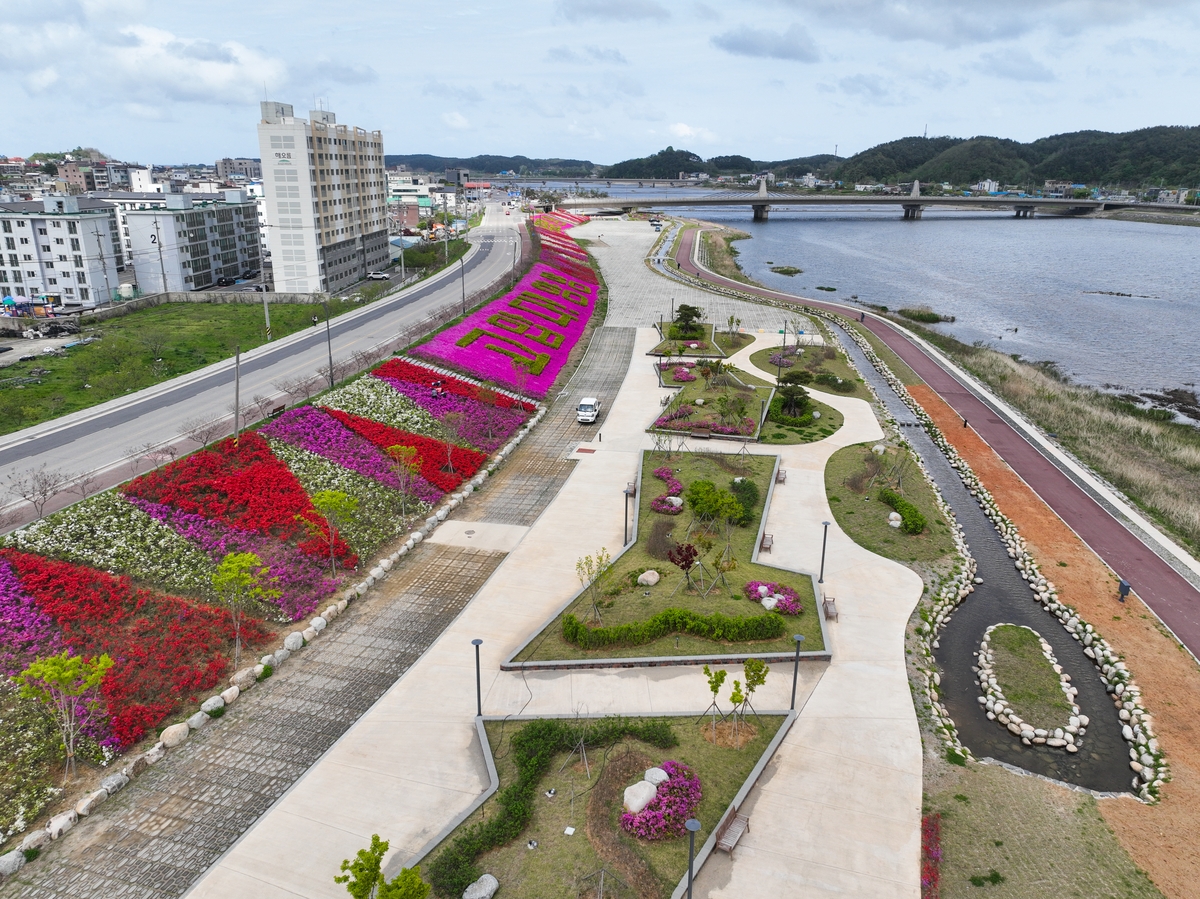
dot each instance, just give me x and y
(1025, 677)
(560, 865)
(626, 602)
(818, 429)
(818, 360)
(753, 392)
(720, 255)
(679, 346)
(731, 343)
(859, 512)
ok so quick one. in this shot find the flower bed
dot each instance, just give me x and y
(316, 431)
(410, 372)
(524, 338)
(788, 602)
(372, 398)
(673, 804)
(931, 856)
(681, 375)
(432, 454)
(486, 426)
(165, 650)
(674, 488)
(677, 420)
(782, 361)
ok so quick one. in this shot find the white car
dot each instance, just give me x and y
(587, 410)
(378, 276)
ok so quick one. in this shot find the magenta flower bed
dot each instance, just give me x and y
(780, 360)
(675, 421)
(533, 327)
(682, 375)
(666, 366)
(674, 488)
(476, 415)
(665, 815)
(26, 632)
(304, 580)
(789, 605)
(312, 429)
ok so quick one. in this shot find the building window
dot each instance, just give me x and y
(41, 231)
(80, 277)
(57, 224)
(69, 290)
(7, 226)
(52, 280)
(20, 291)
(3, 276)
(72, 228)
(83, 293)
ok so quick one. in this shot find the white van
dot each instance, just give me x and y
(587, 410)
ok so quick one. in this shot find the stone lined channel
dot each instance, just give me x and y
(1102, 763)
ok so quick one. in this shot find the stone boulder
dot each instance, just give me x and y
(12, 862)
(90, 803)
(231, 694)
(318, 624)
(35, 840)
(198, 720)
(60, 824)
(648, 578)
(175, 734)
(293, 641)
(155, 755)
(244, 679)
(656, 776)
(137, 765)
(675, 502)
(639, 795)
(484, 888)
(212, 704)
(114, 783)
(769, 603)
(310, 634)
(281, 655)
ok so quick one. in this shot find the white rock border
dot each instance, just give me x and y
(214, 706)
(1000, 710)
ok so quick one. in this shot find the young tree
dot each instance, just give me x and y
(243, 585)
(454, 424)
(38, 486)
(364, 876)
(683, 556)
(202, 430)
(796, 377)
(591, 571)
(736, 698)
(337, 509)
(69, 686)
(794, 400)
(716, 680)
(756, 671)
(686, 317)
(407, 468)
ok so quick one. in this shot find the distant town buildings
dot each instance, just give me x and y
(987, 186)
(326, 196)
(65, 249)
(242, 169)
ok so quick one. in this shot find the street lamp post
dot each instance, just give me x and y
(478, 681)
(824, 542)
(692, 826)
(799, 638)
(779, 364)
(328, 342)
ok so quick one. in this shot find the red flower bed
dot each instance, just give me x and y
(931, 856)
(246, 487)
(430, 453)
(403, 370)
(165, 649)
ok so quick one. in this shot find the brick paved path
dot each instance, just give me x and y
(165, 829)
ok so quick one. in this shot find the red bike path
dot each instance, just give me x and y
(1171, 596)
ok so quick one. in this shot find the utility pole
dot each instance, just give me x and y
(161, 265)
(103, 264)
(267, 316)
(329, 343)
(237, 393)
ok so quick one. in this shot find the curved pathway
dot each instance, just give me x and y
(1172, 597)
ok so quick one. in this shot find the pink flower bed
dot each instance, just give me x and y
(674, 488)
(310, 428)
(667, 366)
(789, 605)
(665, 815)
(677, 420)
(682, 375)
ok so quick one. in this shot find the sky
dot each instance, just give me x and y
(602, 80)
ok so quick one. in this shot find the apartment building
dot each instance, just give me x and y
(124, 201)
(326, 195)
(187, 243)
(245, 169)
(64, 248)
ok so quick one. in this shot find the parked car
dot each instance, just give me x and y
(226, 282)
(587, 410)
(378, 276)
(253, 288)
(250, 273)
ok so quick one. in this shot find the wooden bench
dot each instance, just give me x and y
(829, 606)
(731, 830)
(278, 410)
(768, 541)
(702, 433)
(781, 476)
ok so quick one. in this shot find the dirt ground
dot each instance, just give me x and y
(1159, 838)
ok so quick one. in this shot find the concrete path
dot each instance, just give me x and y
(839, 810)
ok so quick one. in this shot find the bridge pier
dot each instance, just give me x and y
(760, 212)
(912, 211)
(1024, 212)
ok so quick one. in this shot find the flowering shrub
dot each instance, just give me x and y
(788, 605)
(673, 421)
(666, 366)
(675, 802)
(371, 398)
(524, 338)
(410, 372)
(108, 532)
(484, 425)
(780, 360)
(242, 484)
(931, 856)
(674, 488)
(164, 649)
(303, 580)
(431, 453)
(682, 375)
(314, 430)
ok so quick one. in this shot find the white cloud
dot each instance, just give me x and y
(612, 10)
(40, 80)
(794, 44)
(455, 120)
(1015, 64)
(688, 132)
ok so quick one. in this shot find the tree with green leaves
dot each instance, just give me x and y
(756, 671)
(686, 318)
(337, 509)
(592, 571)
(69, 686)
(716, 679)
(243, 586)
(797, 376)
(364, 878)
(736, 698)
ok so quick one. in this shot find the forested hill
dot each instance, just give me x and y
(490, 165)
(1166, 154)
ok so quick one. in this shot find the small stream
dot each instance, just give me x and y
(1102, 763)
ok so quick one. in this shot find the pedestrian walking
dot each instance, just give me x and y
(314, 321)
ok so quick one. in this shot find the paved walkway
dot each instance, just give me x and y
(839, 809)
(1084, 504)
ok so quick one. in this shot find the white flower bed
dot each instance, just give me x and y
(372, 398)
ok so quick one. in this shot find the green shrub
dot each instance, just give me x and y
(268, 670)
(841, 385)
(674, 621)
(216, 713)
(911, 518)
(745, 491)
(775, 413)
(532, 747)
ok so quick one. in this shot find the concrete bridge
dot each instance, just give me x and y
(912, 205)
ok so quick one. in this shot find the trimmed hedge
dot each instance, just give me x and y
(775, 414)
(674, 621)
(745, 491)
(832, 381)
(533, 746)
(911, 518)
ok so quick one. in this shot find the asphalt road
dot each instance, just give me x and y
(98, 440)
(1171, 596)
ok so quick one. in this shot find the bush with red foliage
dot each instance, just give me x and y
(931, 856)
(431, 453)
(244, 485)
(165, 650)
(403, 370)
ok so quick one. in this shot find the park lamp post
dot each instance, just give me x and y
(328, 342)
(824, 543)
(629, 491)
(462, 271)
(799, 638)
(692, 826)
(478, 680)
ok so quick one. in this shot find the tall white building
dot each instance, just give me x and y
(64, 248)
(326, 193)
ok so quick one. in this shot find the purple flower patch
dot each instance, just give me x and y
(485, 426)
(311, 429)
(788, 605)
(665, 815)
(26, 632)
